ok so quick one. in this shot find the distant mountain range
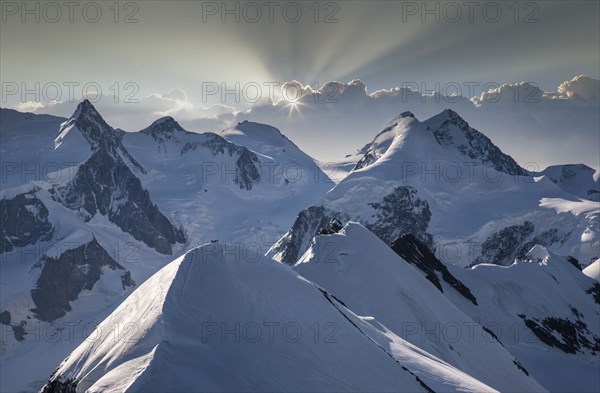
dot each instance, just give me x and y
(181, 234)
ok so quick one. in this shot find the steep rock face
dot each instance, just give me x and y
(450, 130)
(297, 240)
(397, 213)
(401, 211)
(247, 165)
(418, 254)
(247, 172)
(105, 185)
(24, 221)
(64, 277)
(86, 122)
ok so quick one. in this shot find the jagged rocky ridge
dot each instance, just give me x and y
(106, 184)
(472, 143)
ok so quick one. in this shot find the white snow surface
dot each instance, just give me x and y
(593, 270)
(371, 279)
(182, 336)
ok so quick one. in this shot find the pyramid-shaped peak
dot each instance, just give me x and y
(85, 108)
(86, 112)
(90, 125)
(164, 124)
(447, 116)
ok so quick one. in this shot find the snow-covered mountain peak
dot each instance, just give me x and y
(402, 131)
(257, 132)
(166, 122)
(538, 254)
(182, 340)
(453, 133)
(86, 124)
(446, 137)
(278, 151)
(447, 115)
(162, 127)
(85, 107)
(577, 179)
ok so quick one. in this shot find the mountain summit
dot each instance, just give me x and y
(86, 122)
(445, 183)
(445, 137)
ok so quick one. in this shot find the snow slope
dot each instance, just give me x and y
(593, 270)
(238, 187)
(546, 312)
(200, 324)
(370, 279)
(579, 180)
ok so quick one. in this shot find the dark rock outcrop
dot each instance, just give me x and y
(63, 278)
(502, 247)
(418, 254)
(60, 385)
(24, 220)
(401, 211)
(595, 292)
(515, 241)
(127, 281)
(305, 227)
(247, 170)
(104, 184)
(19, 331)
(334, 227)
(564, 334)
(5, 318)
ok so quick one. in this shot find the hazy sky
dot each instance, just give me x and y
(186, 45)
(383, 43)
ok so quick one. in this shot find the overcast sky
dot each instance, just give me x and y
(462, 47)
